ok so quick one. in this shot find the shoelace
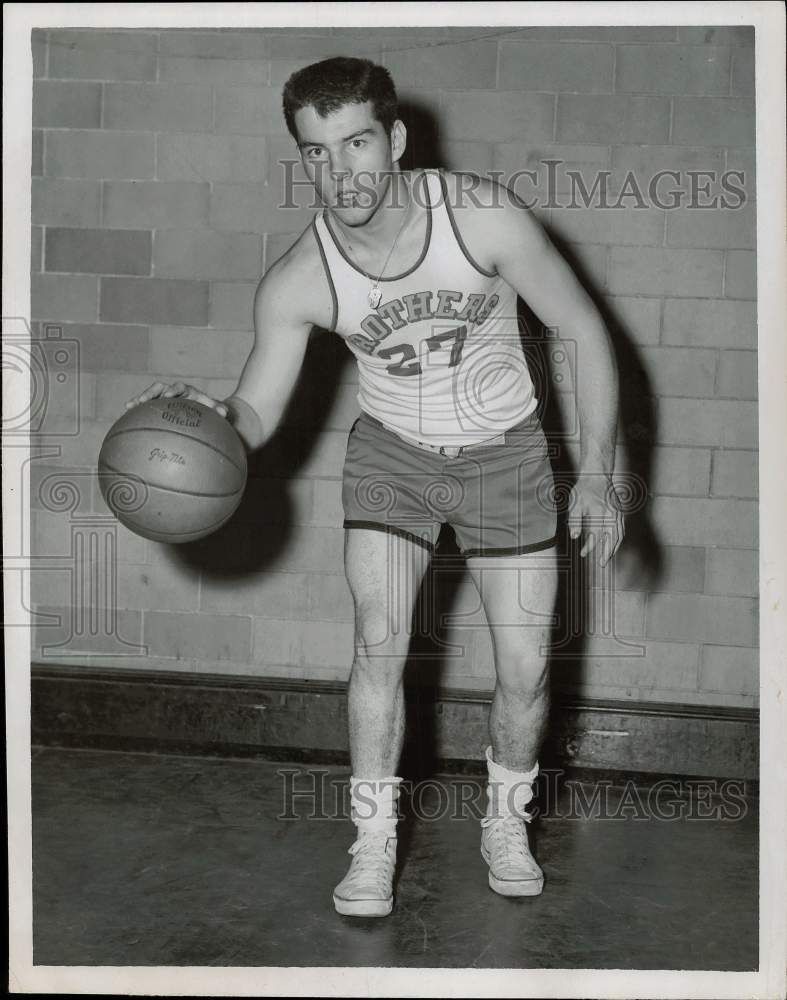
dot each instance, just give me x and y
(509, 830)
(371, 862)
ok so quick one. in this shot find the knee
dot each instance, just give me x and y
(381, 643)
(522, 670)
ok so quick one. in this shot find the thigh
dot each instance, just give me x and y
(518, 593)
(384, 572)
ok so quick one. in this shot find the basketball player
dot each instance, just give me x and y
(420, 280)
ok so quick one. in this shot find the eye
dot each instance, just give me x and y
(314, 152)
(358, 143)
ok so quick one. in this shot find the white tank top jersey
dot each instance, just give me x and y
(440, 359)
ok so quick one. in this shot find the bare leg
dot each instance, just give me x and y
(384, 572)
(518, 593)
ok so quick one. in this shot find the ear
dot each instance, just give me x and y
(398, 140)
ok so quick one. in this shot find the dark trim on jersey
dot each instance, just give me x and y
(409, 271)
(334, 299)
(458, 235)
(391, 529)
(515, 551)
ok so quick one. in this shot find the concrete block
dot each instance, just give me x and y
(716, 34)
(98, 251)
(188, 156)
(730, 669)
(742, 161)
(723, 228)
(320, 644)
(256, 208)
(665, 272)
(664, 666)
(471, 157)
(202, 352)
(681, 521)
(710, 323)
(497, 116)
(202, 636)
(558, 66)
(99, 155)
(327, 510)
(735, 474)
(232, 305)
(713, 121)
(672, 69)
(63, 298)
(647, 167)
(196, 253)
(167, 588)
(599, 33)
(102, 55)
(681, 570)
(674, 471)
(65, 203)
(698, 618)
(216, 44)
(639, 318)
(154, 301)
(733, 572)
(322, 455)
(107, 346)
(114, 387)
(271, 501)
(743, 72)
(680, 371)
(157, 107)
(737, 377)
(155, 204)
(264, 595)
(57, 104)
(309, 550)
(612, 119)
(200, 69)
(36, 247)
(622, 226)
(59, 625)
(719, 422)
(37, 153)
(470, 65)
(740, 277)
(276, 245)
(329, 598)
(249, 110)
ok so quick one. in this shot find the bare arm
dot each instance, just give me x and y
(514, 243)
(529, 262)
(282, 326)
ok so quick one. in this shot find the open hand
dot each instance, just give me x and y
(595, 507)
(178, 389)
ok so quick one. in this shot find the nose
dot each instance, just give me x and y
(340, 172)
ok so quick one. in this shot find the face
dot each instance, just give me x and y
(349, 158)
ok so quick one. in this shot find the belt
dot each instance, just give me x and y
(447, 450)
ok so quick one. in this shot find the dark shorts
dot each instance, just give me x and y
(499, 498)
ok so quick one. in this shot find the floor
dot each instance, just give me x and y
(142, 859)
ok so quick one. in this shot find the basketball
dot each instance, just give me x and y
(172, 470)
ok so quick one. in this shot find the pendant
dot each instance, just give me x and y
(375, 294)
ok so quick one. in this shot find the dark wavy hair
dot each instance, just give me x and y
(332, 83)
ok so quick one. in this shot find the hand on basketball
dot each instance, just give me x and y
(598, 507)
(177, 389)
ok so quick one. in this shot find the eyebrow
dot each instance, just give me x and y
(347, 138)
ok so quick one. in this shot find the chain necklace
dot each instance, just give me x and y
(375, 292)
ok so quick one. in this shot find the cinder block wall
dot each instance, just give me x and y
(156, 180)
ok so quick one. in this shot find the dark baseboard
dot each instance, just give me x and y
(306, 721)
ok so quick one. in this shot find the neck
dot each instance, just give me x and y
(382, 227)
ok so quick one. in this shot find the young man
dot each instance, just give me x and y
(421, 279)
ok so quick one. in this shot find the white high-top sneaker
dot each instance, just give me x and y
(504, 846)
(366, 890)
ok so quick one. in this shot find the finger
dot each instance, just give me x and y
(150, 393)
(176, 389)
(590, 544)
